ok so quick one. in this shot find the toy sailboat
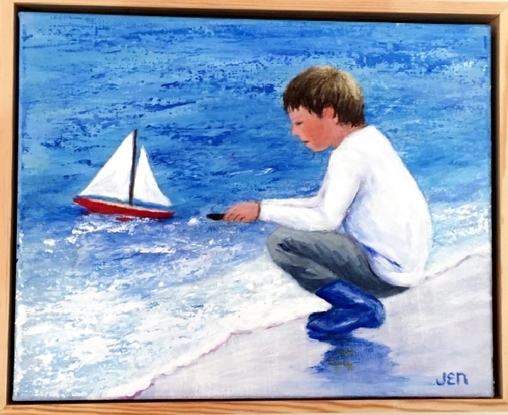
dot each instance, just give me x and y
(121, 184)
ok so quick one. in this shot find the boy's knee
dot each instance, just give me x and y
(276, 243)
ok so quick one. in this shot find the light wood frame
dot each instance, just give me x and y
(494, 13)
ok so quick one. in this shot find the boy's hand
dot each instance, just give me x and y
(243, 212)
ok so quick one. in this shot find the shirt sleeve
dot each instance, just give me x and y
(325, 211)
(302, 201)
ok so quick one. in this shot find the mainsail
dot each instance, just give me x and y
(113, 179)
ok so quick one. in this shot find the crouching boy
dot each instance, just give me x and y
(366, 234)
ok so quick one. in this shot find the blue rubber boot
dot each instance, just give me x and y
(351, 309)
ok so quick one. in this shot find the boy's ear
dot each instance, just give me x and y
(329, 113)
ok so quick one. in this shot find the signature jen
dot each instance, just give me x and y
(452, 379)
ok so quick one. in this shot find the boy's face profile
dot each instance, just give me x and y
(317, 133)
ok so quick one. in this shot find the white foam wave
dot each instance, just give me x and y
(91, 225)
(458, 224)
(449, 258)
(259, 295)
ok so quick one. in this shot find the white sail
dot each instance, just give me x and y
(114, 177)
(145, 185)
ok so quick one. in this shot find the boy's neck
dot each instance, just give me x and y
(343, 130)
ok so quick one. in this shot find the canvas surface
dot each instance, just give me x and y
(192, 308)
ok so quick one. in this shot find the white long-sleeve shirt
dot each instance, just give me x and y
(368, 190)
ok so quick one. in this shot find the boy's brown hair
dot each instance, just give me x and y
(321, 86)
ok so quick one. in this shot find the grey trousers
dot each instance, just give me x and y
(316, 259)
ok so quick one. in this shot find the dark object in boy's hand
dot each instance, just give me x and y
(215, 216)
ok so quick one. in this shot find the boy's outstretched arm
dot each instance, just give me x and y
(243, 212)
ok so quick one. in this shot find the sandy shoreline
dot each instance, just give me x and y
(433, 329)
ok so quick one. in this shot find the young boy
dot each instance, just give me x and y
(366, 234)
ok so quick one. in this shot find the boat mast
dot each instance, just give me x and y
(133, 167)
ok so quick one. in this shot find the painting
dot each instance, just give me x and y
(143, 139)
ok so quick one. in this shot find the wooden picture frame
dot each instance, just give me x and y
(493, 13)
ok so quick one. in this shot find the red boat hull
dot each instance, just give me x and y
(111, 208)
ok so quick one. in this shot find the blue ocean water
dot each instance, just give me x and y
(103, 306)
